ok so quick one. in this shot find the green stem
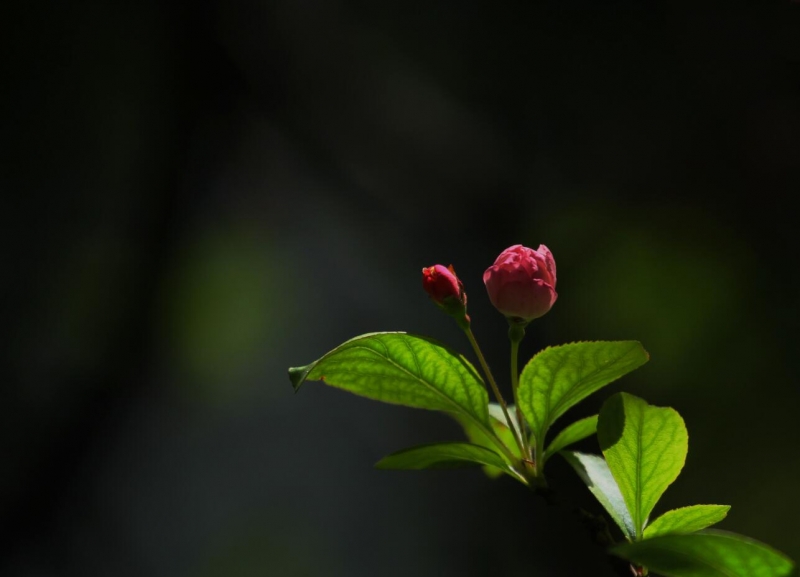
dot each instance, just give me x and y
(538, 454)
(493, 384)
(514, 387)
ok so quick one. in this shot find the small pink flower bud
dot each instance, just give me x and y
(522, 282)
(440, 283)
(446, 290)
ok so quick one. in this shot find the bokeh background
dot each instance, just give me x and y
(197, 196)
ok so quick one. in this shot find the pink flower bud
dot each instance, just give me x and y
(441, 282)
(522, 282)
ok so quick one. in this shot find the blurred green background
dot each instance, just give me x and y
(198, 196)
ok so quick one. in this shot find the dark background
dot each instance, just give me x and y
(196, 197)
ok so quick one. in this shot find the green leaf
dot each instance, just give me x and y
(708, 553)
(496, 412)
(559, 377)
(478, 436)
(686, 520)
(573, 433)
(405, 370)
(594, 471)
(445, 456)
(645, 448)
(502, 428)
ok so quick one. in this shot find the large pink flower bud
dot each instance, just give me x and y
(522, 282)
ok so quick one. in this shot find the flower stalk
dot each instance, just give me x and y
(495, 389)
(516, 332)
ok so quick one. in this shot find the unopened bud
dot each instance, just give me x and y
(447, 291)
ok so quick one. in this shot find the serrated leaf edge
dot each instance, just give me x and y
(649, 524)
(545, 427)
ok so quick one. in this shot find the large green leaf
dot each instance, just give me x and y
(559, 377)
(595, 473)
(686, 520)
(645, 447)
(402, 369)
(445, 456)
(708, 553)
(573, 433)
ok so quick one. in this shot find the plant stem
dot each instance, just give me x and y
(538, 454)
(495, 389)
(515, 334)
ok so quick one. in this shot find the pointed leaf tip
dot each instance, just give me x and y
(298, 375)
